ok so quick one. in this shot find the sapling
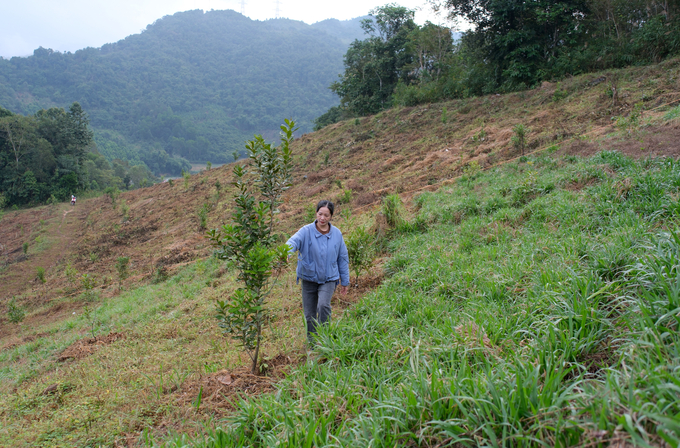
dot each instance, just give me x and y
(112, 193)
(186, 175)
(519, 139)
(71, 275)
(122, 268)
(249, 243)
(40, 271)
(88, 282)
(360, 251)
(15, 313)
(203, 215)
(391, 209)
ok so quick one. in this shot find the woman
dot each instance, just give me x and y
(322, 264)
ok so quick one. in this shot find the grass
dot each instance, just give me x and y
(546, 321)
(122, 388)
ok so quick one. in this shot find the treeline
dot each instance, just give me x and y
(193, 86)
(50, 155)
(513, 46)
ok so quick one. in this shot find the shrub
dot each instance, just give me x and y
(112, 193)
(126, 211)
(122, 268)
(519, 139)
(203, 215)
(360, 250)
(391, 209)
(24, 247)
(40, 271)
(15, 313)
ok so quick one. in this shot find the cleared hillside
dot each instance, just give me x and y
(480, 249)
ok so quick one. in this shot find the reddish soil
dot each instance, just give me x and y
(86, 347)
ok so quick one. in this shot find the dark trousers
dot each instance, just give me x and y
(316, 301)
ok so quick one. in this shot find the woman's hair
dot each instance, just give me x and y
(328, 204)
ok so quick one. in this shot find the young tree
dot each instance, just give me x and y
(249, 242)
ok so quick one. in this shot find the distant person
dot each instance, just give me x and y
(73, 200)
(322, 264)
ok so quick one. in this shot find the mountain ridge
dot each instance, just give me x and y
(194, 85)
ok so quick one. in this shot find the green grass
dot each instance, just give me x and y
(538, 308)
(113, 392)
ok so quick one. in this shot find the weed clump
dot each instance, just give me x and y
(15, 313)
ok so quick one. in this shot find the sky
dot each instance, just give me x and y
(69, 25)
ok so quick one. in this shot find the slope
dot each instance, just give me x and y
(147, 352)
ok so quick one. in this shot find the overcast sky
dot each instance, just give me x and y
(69, 25)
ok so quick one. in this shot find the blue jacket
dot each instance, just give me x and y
(323, 258)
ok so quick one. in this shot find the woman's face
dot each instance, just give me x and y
(323, 216)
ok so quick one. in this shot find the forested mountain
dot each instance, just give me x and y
(193, 85)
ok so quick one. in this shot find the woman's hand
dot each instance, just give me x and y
(343, 290)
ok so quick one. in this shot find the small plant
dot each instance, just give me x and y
(3, 201)
(112, 193)
(71, 275)
(24, 247)
(360, 250)
(519, 139)
(88, 283)
(122, 268)
(208, 166)
(559, 94)
(40, 272)
(327, 159)
(357, 122)
(670, 115)
(91, 315)
(171, 182)
(391, 209)
(346, 196)
(203, 215)
(125, 210)
(471, 170)
(310, 213)
(160, 275)
(218, 191)
(479, 136)
(186, 176)
(444, 115)
(631, 124)
(235, 155)
(15, 313)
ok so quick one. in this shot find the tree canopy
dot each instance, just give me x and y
(513, 45)
(50, 155)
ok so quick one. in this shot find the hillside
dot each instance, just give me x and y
(194, 84)
(499, 252)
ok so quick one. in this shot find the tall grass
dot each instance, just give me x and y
(540, 310)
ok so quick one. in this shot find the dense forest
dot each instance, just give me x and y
(50, 155)
(512, 46)
(192, 86)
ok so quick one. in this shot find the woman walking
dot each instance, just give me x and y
(322, 264)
